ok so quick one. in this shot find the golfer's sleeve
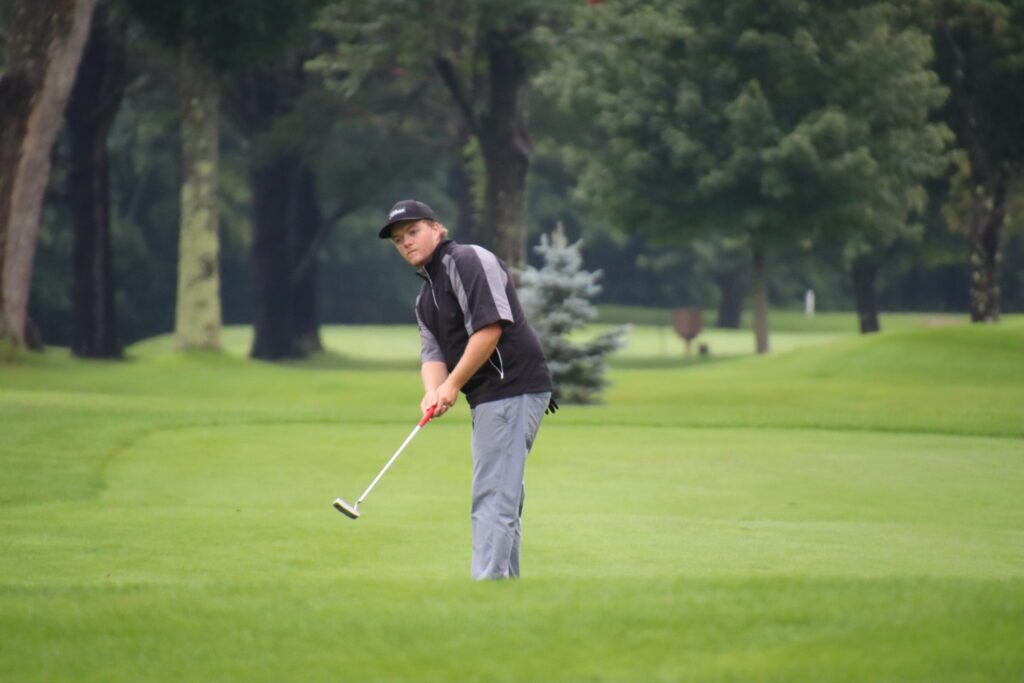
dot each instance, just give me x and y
(430, 350)
(480, 286)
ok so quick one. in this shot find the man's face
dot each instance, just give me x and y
(416, 241)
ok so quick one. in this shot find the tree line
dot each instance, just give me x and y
(228, 153)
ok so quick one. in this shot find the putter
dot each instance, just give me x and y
(353, 510)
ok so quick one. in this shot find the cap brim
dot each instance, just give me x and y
(385, 232)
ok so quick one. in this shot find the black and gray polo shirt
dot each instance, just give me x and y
(467, 288)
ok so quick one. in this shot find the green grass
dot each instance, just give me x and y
(846, 509)
(783, 320)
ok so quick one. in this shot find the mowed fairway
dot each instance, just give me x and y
(848, 509)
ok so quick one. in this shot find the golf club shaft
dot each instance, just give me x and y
(426, 418)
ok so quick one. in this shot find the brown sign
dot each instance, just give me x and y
(687, 322)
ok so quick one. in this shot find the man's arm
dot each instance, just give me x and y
(480, 347)
(434, 374)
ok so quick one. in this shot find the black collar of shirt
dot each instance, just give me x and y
(433, 267)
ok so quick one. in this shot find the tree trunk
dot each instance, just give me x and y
(732, 286)
(463, 186)
(760, 290)
(271, 260)
(288, 228)
(286, 219)
(197, 317)
(45, 47)
(864, 272)
(306, 219)
(286, 225)
(504, 143)
(987, 215)
(506, 151)
(94, 102)
(989, 182)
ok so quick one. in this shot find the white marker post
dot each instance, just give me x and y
(809, 303)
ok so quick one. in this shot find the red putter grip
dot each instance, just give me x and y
(429, 414)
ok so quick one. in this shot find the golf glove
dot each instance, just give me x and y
(552, 407)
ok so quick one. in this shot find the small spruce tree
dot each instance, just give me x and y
(557, 299)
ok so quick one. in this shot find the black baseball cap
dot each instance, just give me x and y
(406, 210)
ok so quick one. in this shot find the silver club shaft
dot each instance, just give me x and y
(393, 458)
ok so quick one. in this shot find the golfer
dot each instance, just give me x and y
(475, 339)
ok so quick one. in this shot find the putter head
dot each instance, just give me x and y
(346, 509)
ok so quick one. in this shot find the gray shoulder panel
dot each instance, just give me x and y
(484, 293)
(497, 281)
(460, 290)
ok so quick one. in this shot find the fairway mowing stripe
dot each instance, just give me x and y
(769, 426)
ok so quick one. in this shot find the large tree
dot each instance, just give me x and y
(980, 47)
(483, 52)
(212, 40)
(95, 100)
(275, 105)
(776, 121)
(199, 32)
(274, 108)
(44, 49)
(197, 318)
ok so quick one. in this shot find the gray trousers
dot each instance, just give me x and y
(503, 434)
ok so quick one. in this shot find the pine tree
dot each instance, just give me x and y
(557, 299)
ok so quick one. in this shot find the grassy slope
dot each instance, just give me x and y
(848, 511)
(785, 320)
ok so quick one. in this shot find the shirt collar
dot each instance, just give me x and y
(433, 266)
